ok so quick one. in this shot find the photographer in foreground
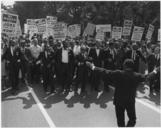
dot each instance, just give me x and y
(125, 82)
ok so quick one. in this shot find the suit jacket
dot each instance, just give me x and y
(125, 82)
(128, 54)
(109, 60)
(48, 61)
(59, 56)
(15, 60)
(97, 60)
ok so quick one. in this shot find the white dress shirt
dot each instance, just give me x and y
(65, 58)
(35, 51)
(76, 50)
(97, 51)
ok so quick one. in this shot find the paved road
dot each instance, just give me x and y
(33, 108)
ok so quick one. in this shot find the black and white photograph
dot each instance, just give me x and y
(80, 64)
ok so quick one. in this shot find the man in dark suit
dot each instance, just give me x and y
(82, 71)
(65, 62)
(135, 55)
(109, 57)
(13, 57)
(96, 53)
(46, 58)
(126, 82)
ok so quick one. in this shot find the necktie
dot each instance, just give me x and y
(46, 54)
(12, 51)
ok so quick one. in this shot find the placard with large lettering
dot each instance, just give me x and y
(9, 23)
(116, 32)
(60, 31)
(74, 30)
(137, 33)
(127, 27)
(150, 32)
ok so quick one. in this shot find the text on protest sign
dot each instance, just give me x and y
(137, 33)
(74, 30)
(60, 31)
(127, 27)
(100, 36)
(41, 25)
(103, 28)
(116, 32)
(9, 23)
(89, 30)
(150, 32)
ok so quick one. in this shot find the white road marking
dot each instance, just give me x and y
(43, 111)
(158, 110)
(6, 90)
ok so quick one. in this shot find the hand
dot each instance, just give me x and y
(90, 65)
(18, 60)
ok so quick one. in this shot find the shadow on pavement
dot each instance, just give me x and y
(145, 93)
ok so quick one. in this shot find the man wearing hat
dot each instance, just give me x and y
(126, 82)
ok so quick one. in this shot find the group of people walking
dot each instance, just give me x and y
(64, 62)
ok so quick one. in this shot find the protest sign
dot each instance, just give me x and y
(89, 30)
(9, 23)
(137, 33)
(31, 27)
(74, 30)
(60, 31)
(103, 28)
(100, 36)
(18, 29)
(127, 27)
(158, 34)
(50, 21)
(116, 32)
(25, 28)
(41, 25)
(150, 32)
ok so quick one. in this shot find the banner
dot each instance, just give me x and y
(74, 30)
(103, 28)
(127, 27)
(158, 34)
(116, 32)
(150, 32)
(9, 23)
(60, 31)
(137, 33)
(89, 30)
(31, 27)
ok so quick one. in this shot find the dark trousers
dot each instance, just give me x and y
(13, 77)
(35, 73)
(66, 76)
(95, 81)
(120, 114)
(48, 80)
(81, 78)
(151, 82)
